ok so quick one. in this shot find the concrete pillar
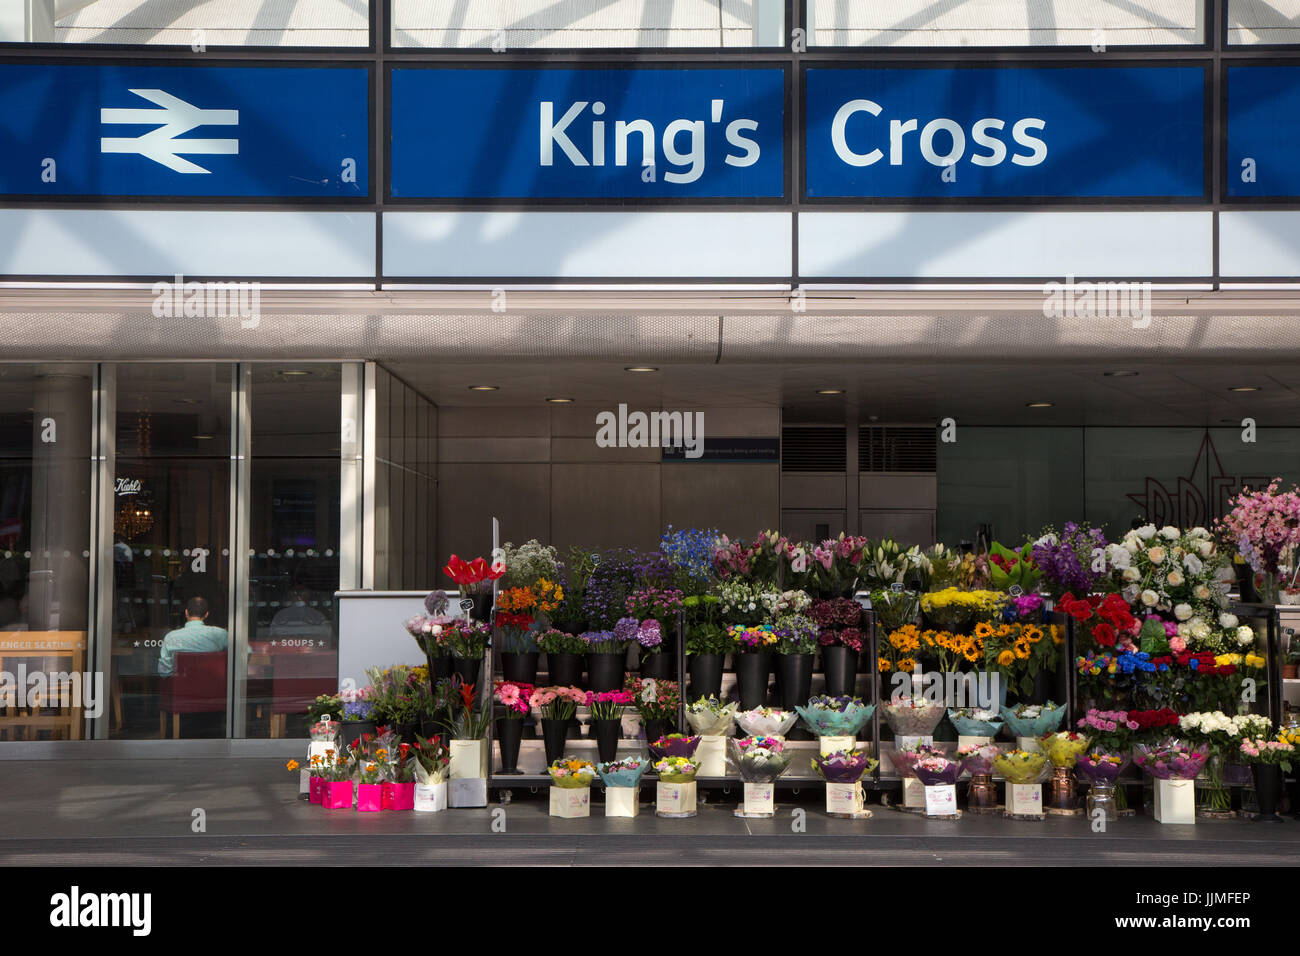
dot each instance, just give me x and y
(61, 431)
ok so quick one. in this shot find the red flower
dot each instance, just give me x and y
(467, 695)
(1104, 635)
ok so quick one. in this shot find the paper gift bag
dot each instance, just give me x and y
(675, 799)
(467, 793)
(316, 789)
(370, 797)
(622, 801)
(941, 800)
(913, 793)
(399, 796)
(836, 745)
(337, 795)
(711, 756)
(1025, 799)
(469, 759)
(430, 797)
(570, 802)
(759, 799)
(1175, 801)
(844, 798)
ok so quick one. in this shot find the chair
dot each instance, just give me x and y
(63, 651)
(197, 686)
(297, 679)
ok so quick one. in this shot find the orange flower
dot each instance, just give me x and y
(292, 765)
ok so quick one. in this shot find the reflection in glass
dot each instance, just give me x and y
(171, 551)
(45, 417)
(294, 486)
(612, 24)
(1254, 22)
(190, 23)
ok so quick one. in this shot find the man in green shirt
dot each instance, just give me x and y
(196, 635)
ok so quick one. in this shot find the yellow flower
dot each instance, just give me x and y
(292, 765)
(906, 664)
(1058, 635)
(1032, 634)
(983, 629)
(884, 665)
(1006, 659)
(971, 654)
(1021, 649)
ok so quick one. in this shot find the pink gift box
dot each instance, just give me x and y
(337, 795)
(370, 797)
(399, 796)
(315, 789)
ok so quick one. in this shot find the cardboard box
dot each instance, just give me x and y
(622, 801)
(836, 745)
(941, 800)
(711, 756)
(1175, 801)
(913, 793)
(675, 799)
(430, 798)
(1025, 799)
(759, 798)
(570, 802)
(845, 798)
(467, 793)
(469, 760)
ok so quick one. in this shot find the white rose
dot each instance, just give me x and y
(1131, 574)
(1202, 592)
(1146, 532)
(1150, 598)
(1184, 630)
(1130, 593)
(1169, 533)
(1132, 546)
(1245, 635)
(1175, 578)
(1157, 554)
(1199, 532)
(1200, 630)
(1182, 611)
(1193, 564)
(1228, 620)
(1206, 548)
(1118, 556)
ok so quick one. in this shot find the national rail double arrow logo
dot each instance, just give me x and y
(175, 117)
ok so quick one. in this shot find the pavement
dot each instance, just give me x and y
(149, 811)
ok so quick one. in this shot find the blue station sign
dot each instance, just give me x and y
(1263, 137)
(600, 133)
(184, 131)
(1007, 132)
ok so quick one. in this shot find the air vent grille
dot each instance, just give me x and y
(893, 448)
(806, 448)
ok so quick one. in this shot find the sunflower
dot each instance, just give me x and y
(1021, 649)
(983, 629)
(1058, 636)
(1032, 634)
(971, 654)
(884, 665)
(906, 664)
(1006, 659)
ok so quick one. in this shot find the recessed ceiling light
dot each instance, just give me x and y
(294, 372)
(1119, 373)
(559, 401)
(639, 368)
(1244, 388)
(204, 437)
(484, 388)
(830, 391)
(1039, 404)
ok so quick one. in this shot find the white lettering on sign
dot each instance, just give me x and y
(682, 141)
(128, 486)
(941, 141)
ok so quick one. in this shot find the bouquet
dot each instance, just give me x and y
(325, 731)
(896, 609)
(674, 745)
(431, 760)
(754, 638)
(557, 703)
(845, 767)
(1063, 748)
(572, 773)
(709, 717)
(935, 768)
(905, 759)
(608, 705)
(953, 608)
(835, 716)
(676, 769)
(655, 699)
(475, 576)
(766, 722)
(975, 721)
(1099, 766)
(607, 642)
(650, 637)
(1033, 720)
(1259, 750)
(1171, 759)
(1066, 561)
(759, 759)
(912, 717)
(978, 759)
(1020, 766)
(558, 642)
(467, 639)
(514, 697)
(625, 772)
(1109, 729)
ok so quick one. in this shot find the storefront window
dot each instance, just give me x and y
(171, 551)
(1261, 22)
(44, 551)
(615, 24)
(991, 23)
(294, 484)
(191, 23)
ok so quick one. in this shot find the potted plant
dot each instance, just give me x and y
(623, 785)
(707, 645)
(840, 637)
(565, 654)
(428, 634)
(607, 720)
(515, 618)
(513, 697)
(1292, 663)
(607, 654)
(658, 702)
(571, 787)
(467, 641)
(469, 764)
(675, 792)
(431, 766)
(475, 580)
(1268, 759)
(398, 789)
(754, 644)
(796, 644)
(370, 794)
(557, 706)
(336, 781)
(657, 609)
(358, 713)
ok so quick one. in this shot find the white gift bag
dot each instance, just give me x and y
(431, 797)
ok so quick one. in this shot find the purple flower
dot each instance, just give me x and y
(650, 634)
(627, 629)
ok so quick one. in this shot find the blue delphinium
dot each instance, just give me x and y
(690, 552)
